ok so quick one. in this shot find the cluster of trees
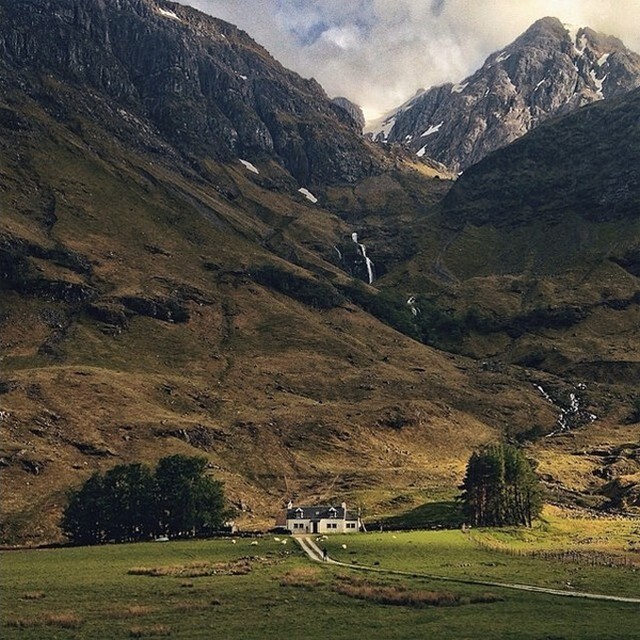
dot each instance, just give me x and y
(130, 502)
(501, 488)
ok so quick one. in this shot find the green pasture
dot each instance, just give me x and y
(607, 554)
(91, 593)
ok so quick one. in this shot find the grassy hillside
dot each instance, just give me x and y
(137, 320)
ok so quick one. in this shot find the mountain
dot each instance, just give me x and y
(168, 284)
(532, 259)
(535, 251)
(166, 287)
(203, 84)
(550, 70)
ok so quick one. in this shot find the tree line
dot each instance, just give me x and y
(501, 488)
(131, 502)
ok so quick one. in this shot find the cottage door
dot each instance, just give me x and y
(314, 526)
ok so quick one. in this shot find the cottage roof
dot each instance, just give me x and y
(321, 512)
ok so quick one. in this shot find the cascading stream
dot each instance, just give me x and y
(363, 253)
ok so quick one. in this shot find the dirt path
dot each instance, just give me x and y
(314, 552)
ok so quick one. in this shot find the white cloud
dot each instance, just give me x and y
(379, 52)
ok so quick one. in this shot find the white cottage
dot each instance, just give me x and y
(322, 519)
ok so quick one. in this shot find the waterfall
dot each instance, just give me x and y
(363, 253)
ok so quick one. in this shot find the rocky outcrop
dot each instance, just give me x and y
(550, 70)
(203, 84)
(353, 110)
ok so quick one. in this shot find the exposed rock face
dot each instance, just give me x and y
(550, 70)
(354, 111)
(205, 85)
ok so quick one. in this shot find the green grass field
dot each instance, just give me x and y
(221, 589)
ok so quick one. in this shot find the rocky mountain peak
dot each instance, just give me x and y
(551, 69)
(203, 84)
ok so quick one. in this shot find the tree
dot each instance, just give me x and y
(188, 502)
(131, 503)
(83, 519)
(500, 487)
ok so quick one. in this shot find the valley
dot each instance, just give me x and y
(201, 254)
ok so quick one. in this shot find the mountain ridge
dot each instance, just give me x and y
(549, 70)
(207, 87)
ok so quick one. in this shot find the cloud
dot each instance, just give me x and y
(379, 52)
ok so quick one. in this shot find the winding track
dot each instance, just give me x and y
(314, 552)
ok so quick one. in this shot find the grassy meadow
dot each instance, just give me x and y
(261, 588)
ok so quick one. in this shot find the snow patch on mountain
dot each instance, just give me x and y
(308, 195)
(167, 14)
(598, 82)
(432, 129)
(249, 166)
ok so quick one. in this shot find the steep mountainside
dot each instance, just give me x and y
(587, 164)
(167, 285)
(549, 70)
(159, 294)
(354, 110)
(533, 261)
(536, 250)
(205, 85)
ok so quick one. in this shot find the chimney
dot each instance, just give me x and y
(290, 504)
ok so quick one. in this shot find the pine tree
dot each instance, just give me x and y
(83, 520)
(188, 502)
(130, 511)
(500, 487)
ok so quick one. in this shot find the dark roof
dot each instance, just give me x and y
(320, 512)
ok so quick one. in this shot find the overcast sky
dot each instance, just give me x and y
(379, 52)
